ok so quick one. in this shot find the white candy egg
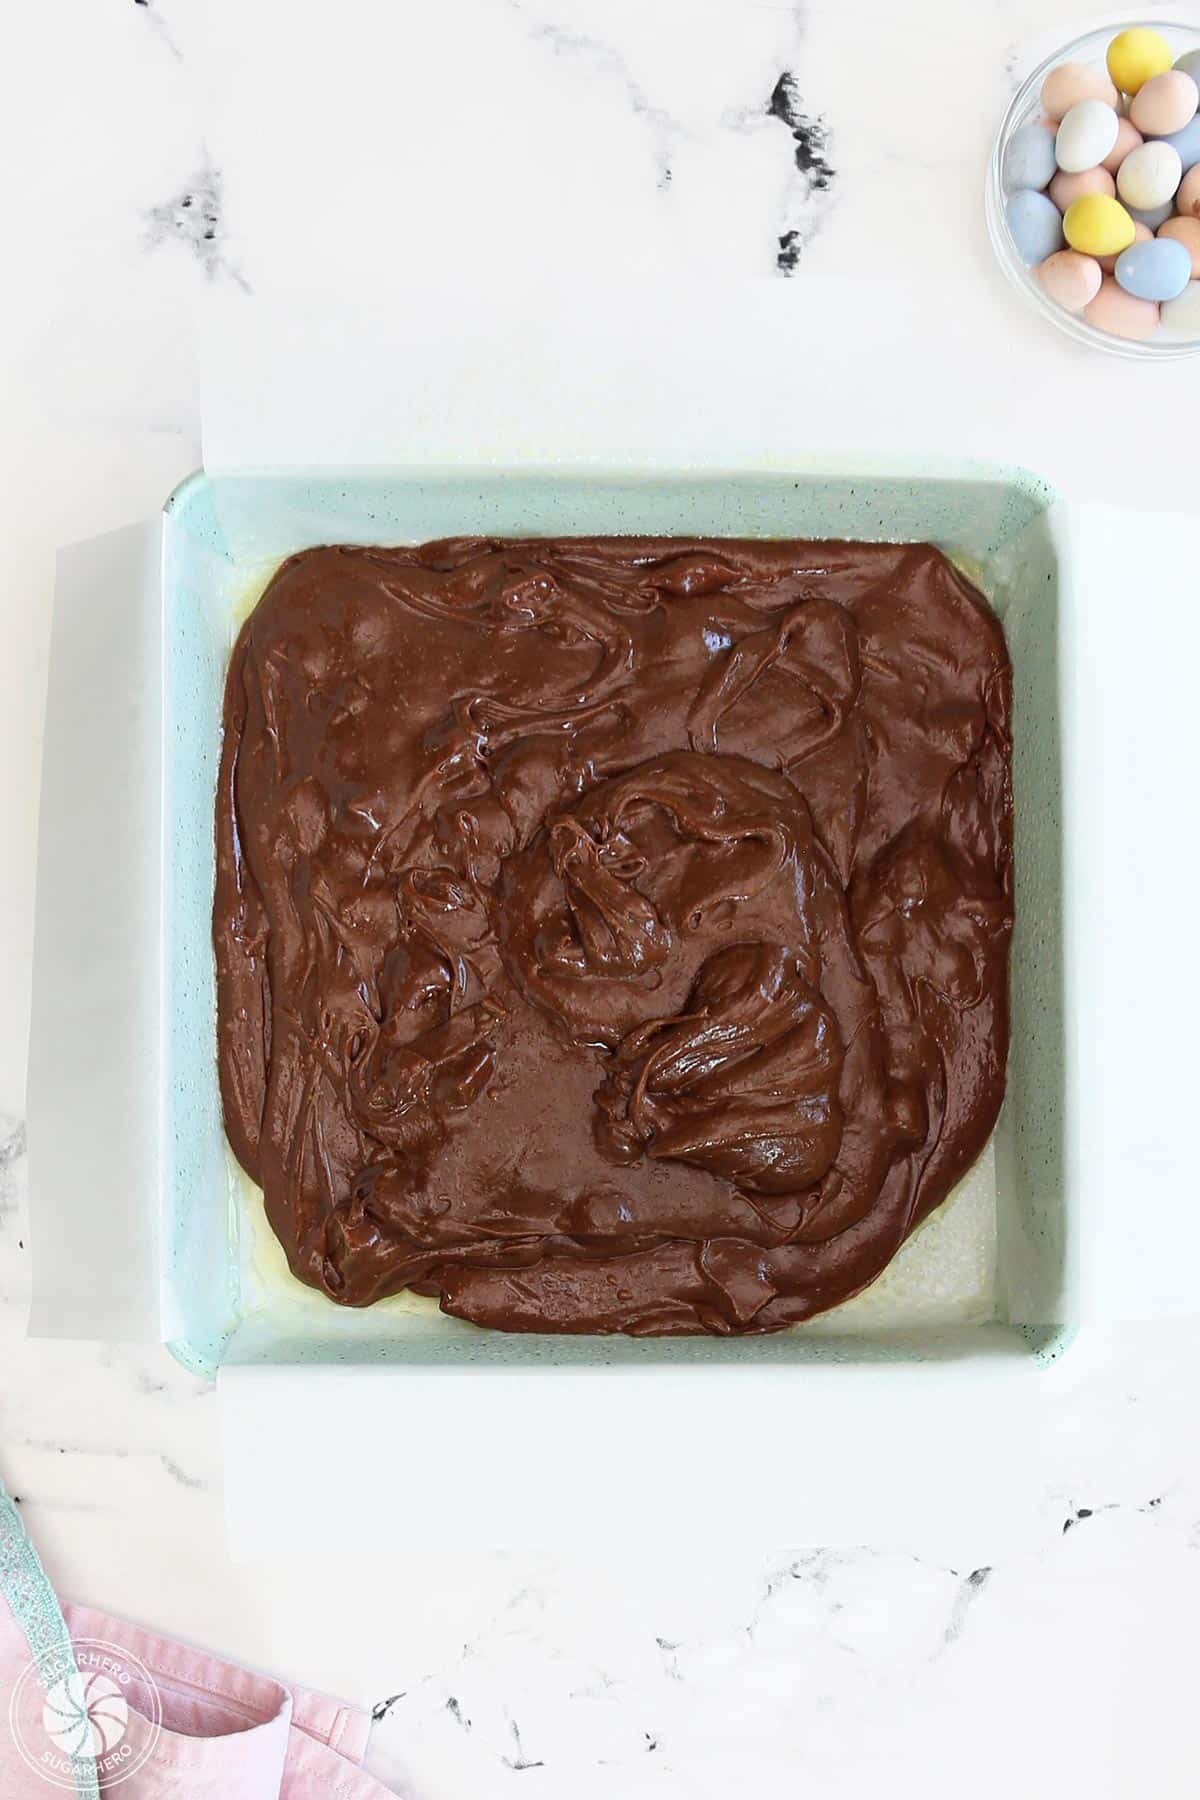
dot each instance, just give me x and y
(1149, 176)
(1086, 135)
(1183, 314)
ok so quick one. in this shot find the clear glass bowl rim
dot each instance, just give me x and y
(1082, 48)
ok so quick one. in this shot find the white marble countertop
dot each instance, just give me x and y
(173, 154)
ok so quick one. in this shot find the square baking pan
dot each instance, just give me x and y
(985, 1276)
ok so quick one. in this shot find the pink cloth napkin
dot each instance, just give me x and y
(227, 1733)
(184, 1725)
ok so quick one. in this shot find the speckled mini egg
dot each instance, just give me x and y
(1086, 135)
(1116, 311)
(1141, 235)
(1072, 82)
(1187, 143)
(1097, 226)
(1187, 200)
(1066, 189)
(1159, 270)
(1128, 138)
(1036, 225)
(1165, 104)
(1189, 62)
(1183, 314)
(1070, 279)
(1029, 158)
(1149, 176)
(1136, 56)
(1187, 233)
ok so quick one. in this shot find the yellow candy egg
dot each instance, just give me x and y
(1135, 56)
(1096, 225)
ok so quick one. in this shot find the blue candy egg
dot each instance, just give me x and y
(1158, 269)
(1036, 226)
(1189, 62)
(1029, 158)
(1152, 216)
(1187, 142)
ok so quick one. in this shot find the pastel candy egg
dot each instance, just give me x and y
(1070, 279)
(1036, 225)
(1183, 313)
(1072, 82)
(1121, 313)
(1149, 176)
(1128, 138)
(1066, 189)
(1098, 226)
(1086, 135)
(1164, 104)
(1187, 200)
(1187, 233)
(1187, 143)
(1141, 235)
(1189, 62)
(1151, 216)
(1136, 56)
(1029, 158)
(1159, 270)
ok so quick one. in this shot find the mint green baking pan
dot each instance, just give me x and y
(225, 1297)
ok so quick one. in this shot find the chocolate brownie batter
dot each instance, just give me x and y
(612, 934)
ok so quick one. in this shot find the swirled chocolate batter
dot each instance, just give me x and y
(612, 934)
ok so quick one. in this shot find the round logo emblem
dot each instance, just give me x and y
(106, 1710)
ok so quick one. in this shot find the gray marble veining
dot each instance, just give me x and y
(610, 65)
(195, 218)
(812, 189)
(12, 1161)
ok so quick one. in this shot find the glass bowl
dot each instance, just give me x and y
(1026, 105)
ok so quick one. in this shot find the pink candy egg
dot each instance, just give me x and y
(1072, 82)
(1065, 188)
(1128, 138)
(1164, 104)
(1118, 312)
(1187, 200)
(1070, 279)
(1185, 232)
(1141, 235)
